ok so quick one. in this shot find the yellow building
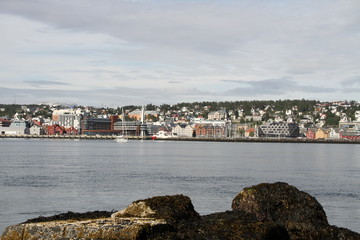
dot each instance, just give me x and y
(322, 133)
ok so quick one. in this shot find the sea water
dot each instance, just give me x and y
(47, 177)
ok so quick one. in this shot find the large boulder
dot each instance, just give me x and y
(170, 208)
(279, 202)
(231, 225)
(127, 229)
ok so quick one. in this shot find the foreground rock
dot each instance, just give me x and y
(279, 202)
(262, 212)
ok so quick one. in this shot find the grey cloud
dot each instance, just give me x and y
(351, 90)
(114, 96)
(353, 81)
(154, 92)
(212, 28)
(233, 81)
(274, 87)
(45, 82)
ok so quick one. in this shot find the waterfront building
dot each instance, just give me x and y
(55, 129)
(334, 133)
(350, 134)
(16, 127)
(310, 133)
(5, 122)
(36, 130)
(133, 128)
(183, 130)
(68, 117)
(349, 125)
(97, 126)
(210, 130)
(279, 130)
(322, 133)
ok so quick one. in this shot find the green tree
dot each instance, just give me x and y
(331, 119)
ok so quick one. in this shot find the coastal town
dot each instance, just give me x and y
(300, 119)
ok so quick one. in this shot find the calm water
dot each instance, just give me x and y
(47, 177)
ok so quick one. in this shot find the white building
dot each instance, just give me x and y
(36, 130)
(253, 118)
(68, 117)
(334, 133)
(357, 116)
(183, 130)
(217, 115)
(16, 127)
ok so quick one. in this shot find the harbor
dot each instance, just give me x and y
(198, 139)
(83, 137)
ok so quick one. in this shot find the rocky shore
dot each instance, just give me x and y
(264, 211)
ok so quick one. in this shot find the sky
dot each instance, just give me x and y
(123, 52)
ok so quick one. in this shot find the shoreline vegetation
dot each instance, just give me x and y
(209, 139)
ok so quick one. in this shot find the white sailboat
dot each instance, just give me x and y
(122, 138)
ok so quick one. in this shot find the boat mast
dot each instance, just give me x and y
(142, 120)
(122, 121)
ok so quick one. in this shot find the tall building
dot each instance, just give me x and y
(68, 117)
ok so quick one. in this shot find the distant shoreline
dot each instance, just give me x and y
(251, 140)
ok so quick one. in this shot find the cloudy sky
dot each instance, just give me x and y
(120, 52)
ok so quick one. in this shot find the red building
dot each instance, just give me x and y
(349, 135)
(56, 129)
(5, 122)
(208, 130)
(311, 134)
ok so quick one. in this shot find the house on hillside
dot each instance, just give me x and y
(253, 118)
(217, 115)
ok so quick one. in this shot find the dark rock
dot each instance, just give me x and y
(308, 231)
(71, 216)
(279, 202)
(232, 225)
(170, 208)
